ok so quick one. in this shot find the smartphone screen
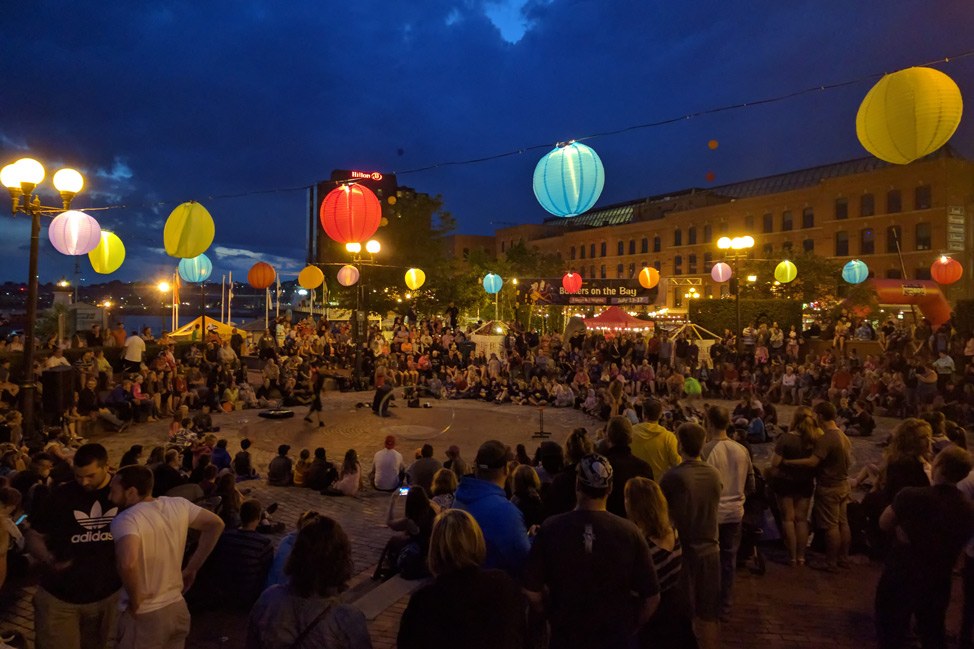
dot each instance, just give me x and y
(21, 519)
(403, 491)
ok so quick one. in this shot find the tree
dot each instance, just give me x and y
(818, 279)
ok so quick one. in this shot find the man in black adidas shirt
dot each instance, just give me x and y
(76, 604)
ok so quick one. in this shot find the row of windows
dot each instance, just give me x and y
(706, 236)
(894, 240)
(922, 200)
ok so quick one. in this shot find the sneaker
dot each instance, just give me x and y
(271, 508)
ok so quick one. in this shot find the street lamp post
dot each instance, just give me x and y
(735, 250)
(360, 323)
(21, 179)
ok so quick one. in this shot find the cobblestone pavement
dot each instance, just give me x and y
(786, 607)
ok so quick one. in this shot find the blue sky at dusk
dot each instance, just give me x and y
(159, 103)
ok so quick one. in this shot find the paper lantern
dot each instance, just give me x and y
(108, 255)
(348, 275)
(493, 283)
(648, 277)
(310, 277)
(721, 272)
(74, 233)
(946, 270)
(261, 275)
(909, 114)
(712, 144)
(571, 282)
(189, 231)
(855, 272)
(569, 179)
(350, 213)
(710, 176)
(196, 269)
(415, 278)
(786, 272)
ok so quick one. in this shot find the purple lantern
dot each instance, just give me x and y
(348, 275)
(721, 272)
(74, 233)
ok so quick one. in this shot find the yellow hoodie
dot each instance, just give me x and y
(656, 446)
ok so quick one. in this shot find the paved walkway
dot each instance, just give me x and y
(786, 607)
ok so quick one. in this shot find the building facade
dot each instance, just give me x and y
(865, 209)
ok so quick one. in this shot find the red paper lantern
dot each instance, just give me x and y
(261, 275)
(946, 270)
(571, 282)
(350, 213)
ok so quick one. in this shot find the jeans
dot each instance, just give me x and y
(729, 535)
(902, 595)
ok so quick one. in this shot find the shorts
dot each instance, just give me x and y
(702, 580)
(831, 504)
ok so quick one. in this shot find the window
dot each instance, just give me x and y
(749, 222)
(787, 247)
(503, 243)
(619, 271)
(591, 272)
(602, 271)
(632, 271)
(692, 235)
(894, 201)
(808, 245)
(632, 246)
(867, 241)
(621, 248)
(841, 244)
(678, 237)
(894, 273)
(645, 245)
(581, 249)
(922, 273)
(657, 244)
(867, 205)
(787, 223)
(692, 264)
(768, 223)
(708, 233)
(678, 296)
(678, 265)
(841, 208)
(708, 261)
(894, 233)
(768, 249)
(921, 198)
(808, 217)
(657, 265)
(591, 251)
(923, 236)
(602, 249)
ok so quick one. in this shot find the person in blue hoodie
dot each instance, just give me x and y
(482, 495)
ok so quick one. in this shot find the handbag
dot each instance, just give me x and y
(314, 623)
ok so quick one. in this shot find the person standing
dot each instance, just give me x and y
(316, 406)
(75, 606)
(693, 491)
(625, 465)
(134, 350)
(733, 462)
(150, 541)
(652, 443)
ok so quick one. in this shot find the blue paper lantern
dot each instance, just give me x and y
(196, 269)
(855, 272)
(493, 283)
(569, 179)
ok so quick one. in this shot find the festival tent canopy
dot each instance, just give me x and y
(186, 331)
(616, 319)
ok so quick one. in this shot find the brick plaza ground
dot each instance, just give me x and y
(786, 607)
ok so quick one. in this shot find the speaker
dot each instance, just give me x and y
(58, 386)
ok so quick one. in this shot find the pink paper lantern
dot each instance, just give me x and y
(721, 272)
(348, 275)
(74, 233)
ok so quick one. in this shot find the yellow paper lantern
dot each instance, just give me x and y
(189, 231)
(909, 114)
(311, 277)
(785, 272)
(648, 277)
(415, 278)
(108, 255)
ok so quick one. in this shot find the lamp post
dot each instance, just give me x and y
(360, 321)
(735, 250)
(21, 179)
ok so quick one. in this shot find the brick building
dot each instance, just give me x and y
(855, 209)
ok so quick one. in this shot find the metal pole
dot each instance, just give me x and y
(230, 298)
(28, 385)
(202, 311)
(737, 300)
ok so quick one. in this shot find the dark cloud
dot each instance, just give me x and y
(192, 100)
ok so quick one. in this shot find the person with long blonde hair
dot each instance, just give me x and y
(793, 485)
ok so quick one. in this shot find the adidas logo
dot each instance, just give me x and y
(95, 519)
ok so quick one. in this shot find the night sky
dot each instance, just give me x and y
(162, 102)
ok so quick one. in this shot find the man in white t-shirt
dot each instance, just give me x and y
(387, 467)
(134, 350)
(150, 540)
(733, 463)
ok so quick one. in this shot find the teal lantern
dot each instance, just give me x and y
(569, 179)
(196, 269)
(855, 272)
(493, 283)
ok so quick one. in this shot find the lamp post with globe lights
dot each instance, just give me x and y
(360, 321)
(21, 178)
(736, 249)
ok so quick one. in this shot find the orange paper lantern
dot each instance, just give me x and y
(946, 270)
(261, 275)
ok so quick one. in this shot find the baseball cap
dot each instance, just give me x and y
(493, 454)
(390, 441)
(594, 471)
(283, 449)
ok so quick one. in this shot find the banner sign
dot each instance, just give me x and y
(549, 292)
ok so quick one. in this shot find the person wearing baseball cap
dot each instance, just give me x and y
(483, 496)
(280, 471)
(591, 562)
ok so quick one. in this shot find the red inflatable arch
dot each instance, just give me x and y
(923, 293)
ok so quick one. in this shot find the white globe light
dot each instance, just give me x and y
(353, 247)
(372, 246)
(68, 180)
(723, 243)
(10, 176)
(748, 241)
(30, 171)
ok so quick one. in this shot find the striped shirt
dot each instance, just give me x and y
(667, 562)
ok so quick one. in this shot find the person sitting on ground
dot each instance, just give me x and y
(307, 611)
(221, 456)
(281, 469)
(230, 500)
(301, 468)
(283, 552)
(387, 467)
(456, 463)
(241, 560)
(132, 456)
(407, 550)
(420, 473)
(166, 474)
(321, 474)
(350, 479)
(464, 601)
(243, 466)
(444, 488)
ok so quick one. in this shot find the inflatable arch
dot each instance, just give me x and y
(925, 294)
